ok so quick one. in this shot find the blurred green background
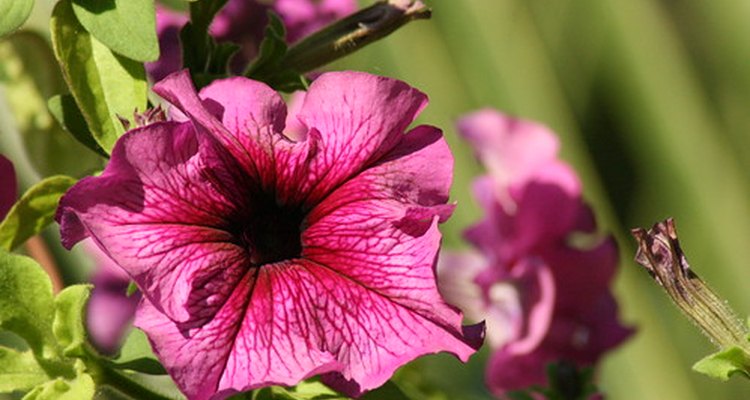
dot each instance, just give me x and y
(651, 100)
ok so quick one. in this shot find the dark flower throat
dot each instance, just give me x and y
(272, 232)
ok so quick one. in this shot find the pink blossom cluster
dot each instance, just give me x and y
(540, 275)
(267, 256)
(243, 22)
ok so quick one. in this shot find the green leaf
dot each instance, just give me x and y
(136, 355)
(723, 364)
(140, 386)
(26, 305)
(19, 371)
(128, 27)
(66, 112)
(103, 84)
(272, 48)
(14, 13)
(33, 212)
(306, 390)
(69, 323)
(267, 67)
(315, 390)
(29, 79)
(206, 59)
(80, 387)
(389, 391)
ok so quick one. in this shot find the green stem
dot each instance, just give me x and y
(660, 253)
(352, 33)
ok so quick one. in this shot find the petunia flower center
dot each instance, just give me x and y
(272, 233)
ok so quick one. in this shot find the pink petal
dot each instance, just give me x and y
(8, 187)
(294, 129)
(583, 275)
(359, 117)
(291, 320)
(377, 245)
(158, 214)
(456, 273)
(495, 234)
(511, 149)
(351, 119)
(263, 335)
(537, 293)
(548, 207)
(508, 371)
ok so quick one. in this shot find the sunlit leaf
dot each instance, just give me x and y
(105, 85)
(26, 305)
(13, 13)
(128, 27)
(19, 371)
(29, 77)
(723, 364)
(69, 322)
(80, 387)
(33, 212)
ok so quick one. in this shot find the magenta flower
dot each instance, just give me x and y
(544, 298)
(9, 189)
(243, 22)
(110, 310)
(267, 260)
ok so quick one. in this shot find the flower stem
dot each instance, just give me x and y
(352, 33)
(660, 253)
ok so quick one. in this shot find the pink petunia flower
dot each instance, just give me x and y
(266, 260)
(8, 186)
(110, 310)
(243, 22)
(545, 297)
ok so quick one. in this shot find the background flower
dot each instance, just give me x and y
(243, 22)
(265, 260)
(9, 187)
(541, 277)
(110, 310)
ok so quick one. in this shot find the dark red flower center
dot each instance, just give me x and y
(272, 232)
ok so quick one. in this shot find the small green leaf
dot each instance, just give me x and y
(19, 371)
(723, 364)
(26, 305)
(206, 59)
(66, 112)
(136, 355)
(128, 27)
(33, 212)
(307, 390)
(267, 67)
(69, 323)
(80, 387)
(28, 80)
(14, 13)
(132, 288)
(105, 85)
